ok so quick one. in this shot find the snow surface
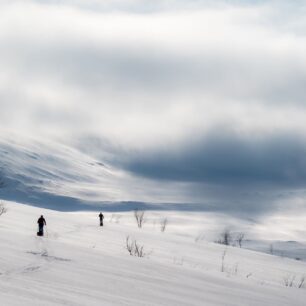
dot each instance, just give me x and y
(80, 263)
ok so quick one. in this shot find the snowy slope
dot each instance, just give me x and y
(44, 171)
(79, 263)
(55, 175)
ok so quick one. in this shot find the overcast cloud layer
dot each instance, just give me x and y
(209, 93)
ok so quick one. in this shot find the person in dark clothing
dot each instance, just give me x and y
(101, 217)
(41, 223)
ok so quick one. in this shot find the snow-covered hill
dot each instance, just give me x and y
(55, 175)
(49, 173)
(80, 263)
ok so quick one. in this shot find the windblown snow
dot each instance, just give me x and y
(80, 263)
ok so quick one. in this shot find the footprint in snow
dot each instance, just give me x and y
(48, 257)
(31, 269)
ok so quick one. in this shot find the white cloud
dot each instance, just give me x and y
(149, 76)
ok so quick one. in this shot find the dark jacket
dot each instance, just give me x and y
(41, 221)
(101, 216)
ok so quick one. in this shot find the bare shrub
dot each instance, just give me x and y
(163, 224)
(240, 238)
(289, 280)
(231, 270)
(3, 209)
(301, 282)
(271, 249)
(139, 251)
(235, 268)
(225, 237)
(129, 245)
(134, 248)
(139, 217)
(223, 260)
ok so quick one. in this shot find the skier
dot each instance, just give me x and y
(41, 223)
(101, 217)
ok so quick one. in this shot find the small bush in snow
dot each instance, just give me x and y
(290, 281)
(3, 209)
(163, 224)
(223, 260)
(225, 237)
(139, 217)
(134, 248)
(240, 238)
(302, 281)
(271, 249)
(231, 270)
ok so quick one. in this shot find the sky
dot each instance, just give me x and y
(210, 94)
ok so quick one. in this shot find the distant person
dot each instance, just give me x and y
(101, 217)
(41, 223)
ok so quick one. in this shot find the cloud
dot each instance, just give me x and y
(225, 158)
(202, 92)
(106, 65)
(222, 170)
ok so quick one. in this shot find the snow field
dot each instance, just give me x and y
(80, 263)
